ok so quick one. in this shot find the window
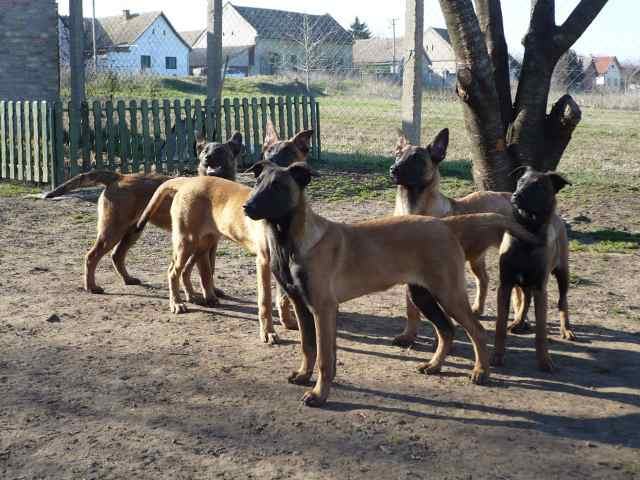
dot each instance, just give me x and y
(145, 61)
(171, 63)
(252, 56)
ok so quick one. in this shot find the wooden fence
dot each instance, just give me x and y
(43, 143)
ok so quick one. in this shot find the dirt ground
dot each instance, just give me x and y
(121, 388)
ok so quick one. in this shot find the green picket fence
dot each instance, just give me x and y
(43, 143)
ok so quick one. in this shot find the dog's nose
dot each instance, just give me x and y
(393, 169)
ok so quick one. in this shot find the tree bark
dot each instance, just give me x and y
(534, 138)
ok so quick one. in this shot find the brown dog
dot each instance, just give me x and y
(125, 197)
(416, 172)
(206, 209)
(321, 264)
(529, 265)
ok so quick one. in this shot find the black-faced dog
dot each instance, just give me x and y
(529, 265)
(219, 159)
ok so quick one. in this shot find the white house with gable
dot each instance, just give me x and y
(134, 43)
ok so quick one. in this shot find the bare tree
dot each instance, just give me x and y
(313, 38)
(506, 134)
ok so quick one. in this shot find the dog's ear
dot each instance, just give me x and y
(558, 181)
(270, 134)
(258, 167)
(235, 143)
(200, 143)
(302, 173)
(401, 144)
(303, 141)
(438, 147)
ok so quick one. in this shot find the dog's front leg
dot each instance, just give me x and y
(308, 343)
(521, 299)
(479, 269)
(267, 333)
(410, 333)
(285, 309)
(542, 353)
(504, 294)
(325, 322)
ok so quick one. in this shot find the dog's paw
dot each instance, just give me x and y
(219, 293)
(298, 378)
(95, 290)
(178, 307)
(497, 360)
(429, 368)
(132, 281)
(479, 376)
(311, 399)
(569, 335)
(210, 302)
(519, 327)
(404, 340)
(477, 309)
(546, 365)
(270, 338)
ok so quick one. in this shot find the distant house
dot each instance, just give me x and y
(236, 57)
(437, 45)
(271, 41)
(603, 73)
(383, 56)
(132, 43)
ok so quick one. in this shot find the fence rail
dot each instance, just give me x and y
(42, 142)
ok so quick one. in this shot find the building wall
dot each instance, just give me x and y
(29, 50)
(612, 79)
(440, 52)
(266, 49)
(236, 31)
(158, 41)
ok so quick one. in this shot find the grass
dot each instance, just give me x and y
(11, 190)
(604, 241)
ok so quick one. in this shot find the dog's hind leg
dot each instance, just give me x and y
(119, 254)
(428, 305)
(206, 278)
(212, 257)
(285, 310)
(182, 252)
(504, 292)
(521, 299)
(100, 248)
(542, 352)
(562, 277)
(185, 280)
(479, 269)
(263, 268)
(410, 332)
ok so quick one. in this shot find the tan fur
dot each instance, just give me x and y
(205, 209)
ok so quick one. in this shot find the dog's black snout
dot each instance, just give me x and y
(393, 170)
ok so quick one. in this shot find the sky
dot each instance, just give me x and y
(614, 32)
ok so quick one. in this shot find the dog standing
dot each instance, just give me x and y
(205, 209)
(529, 265)
(416, 173)
(125, 197)
(321, 264)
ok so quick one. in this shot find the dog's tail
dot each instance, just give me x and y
(89, 179)
(479, 231)
(165, 190)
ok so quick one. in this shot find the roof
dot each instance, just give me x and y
(192, 36)
(198, 56)
(103, 42)
(125, 31)
(602, 64)
(379, 50)
(284, 25)
(443, 32)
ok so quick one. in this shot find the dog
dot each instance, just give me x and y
(320, 264)
(417, 176)
(125, 197)
(529, 265)
(206, 209)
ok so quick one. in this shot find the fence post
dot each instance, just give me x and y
(76, 54)
(56, 130)
(214, 56)
(412, 77)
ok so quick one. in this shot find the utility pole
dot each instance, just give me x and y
(393, 62)
(412, 77)
(93, 28)
(214, 49)
(76, 61)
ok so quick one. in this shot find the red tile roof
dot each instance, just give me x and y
(602, 64)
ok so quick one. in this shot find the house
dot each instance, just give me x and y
(603, 73)
(268, 41)
(132, 43)
(437, 45)
(235, 57)
(385, 57)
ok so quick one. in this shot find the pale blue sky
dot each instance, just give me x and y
(615, 32)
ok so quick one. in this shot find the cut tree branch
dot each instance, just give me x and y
(576, 24)
(490, 18)
(559, 126)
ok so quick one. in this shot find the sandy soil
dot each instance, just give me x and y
(121, 388)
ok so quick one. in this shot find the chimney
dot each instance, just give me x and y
(126, 14)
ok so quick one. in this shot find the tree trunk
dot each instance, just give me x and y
(506, 136)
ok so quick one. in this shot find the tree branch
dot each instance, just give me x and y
(576, 24)
(559, 126)
(490, 18)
